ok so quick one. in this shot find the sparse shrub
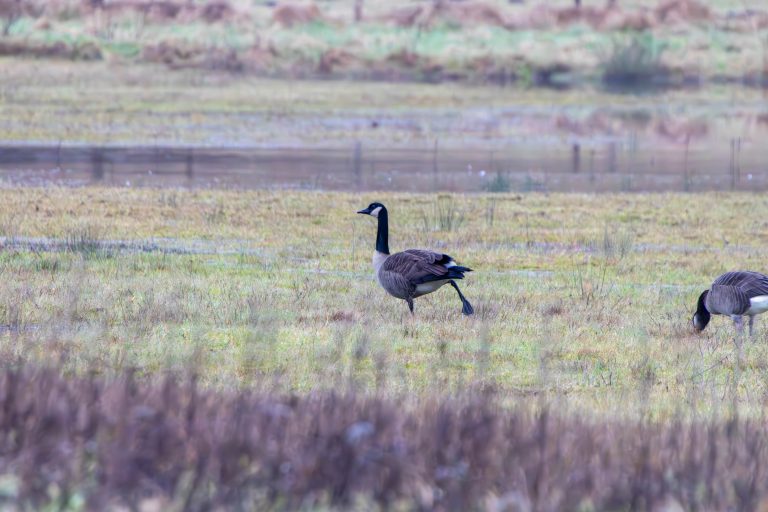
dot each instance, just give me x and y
(634, 62)
(615, 243)
(552, 308)
(591, 283)
(645, 370)
(500, 183)
(530, 184)
(302, 289)
(47, 263)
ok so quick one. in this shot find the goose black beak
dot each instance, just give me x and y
(365, 211)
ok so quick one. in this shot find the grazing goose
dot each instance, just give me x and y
(414, 272)
(734, 294)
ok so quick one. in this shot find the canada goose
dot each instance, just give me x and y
(734, 294)
(414, 272)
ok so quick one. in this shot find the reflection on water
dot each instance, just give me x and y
(600, 152)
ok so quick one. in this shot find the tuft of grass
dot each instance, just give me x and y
(83, 240)
(445, 215)
(616, 242)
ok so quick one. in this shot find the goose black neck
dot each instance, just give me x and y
(382, 236)
(702, 315)
(701, 306)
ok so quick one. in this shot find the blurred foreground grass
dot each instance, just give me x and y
(584, 299)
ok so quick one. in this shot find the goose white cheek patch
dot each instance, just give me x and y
(375, 211)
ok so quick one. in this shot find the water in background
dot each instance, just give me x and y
(519, 150)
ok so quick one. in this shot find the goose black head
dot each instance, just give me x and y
(373, 209)
(702, 316)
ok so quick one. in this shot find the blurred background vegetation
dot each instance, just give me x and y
(529, 42)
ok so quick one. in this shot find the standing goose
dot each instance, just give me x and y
(414, 272)
(734, 294)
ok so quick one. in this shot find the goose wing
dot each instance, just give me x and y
(726, 299)
(417, 266)
(402, 272)
(430, 257)
(752, 284)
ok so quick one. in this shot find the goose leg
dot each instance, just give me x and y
(466, 307)
(410, 304)
(738, 322)
(751, 325)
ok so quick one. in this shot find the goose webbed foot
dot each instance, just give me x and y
(466, 307)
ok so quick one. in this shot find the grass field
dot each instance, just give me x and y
(580, 299)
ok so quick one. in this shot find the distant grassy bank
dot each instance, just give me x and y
(631, 43)
(101, 103)
(584, 299)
